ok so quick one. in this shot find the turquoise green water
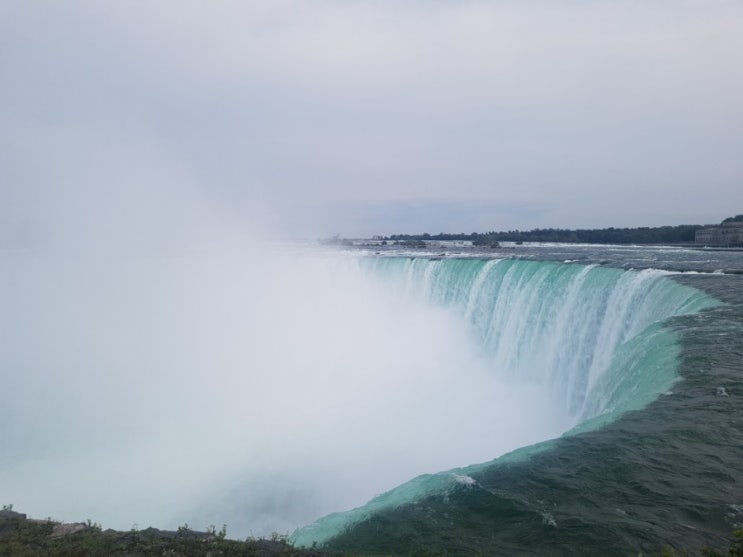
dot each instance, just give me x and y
(597, 337)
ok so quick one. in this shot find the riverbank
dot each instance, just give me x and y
(21, 536)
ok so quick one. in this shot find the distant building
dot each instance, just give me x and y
(727, 234)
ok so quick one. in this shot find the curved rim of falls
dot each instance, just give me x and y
(600, 338)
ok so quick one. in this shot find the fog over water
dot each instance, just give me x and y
(240, 384)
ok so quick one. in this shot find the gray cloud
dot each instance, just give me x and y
(283, 111)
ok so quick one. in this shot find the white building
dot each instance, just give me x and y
(727, 234)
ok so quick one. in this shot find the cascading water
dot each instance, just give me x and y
(575, 328)
(595, 336)
(263, 375)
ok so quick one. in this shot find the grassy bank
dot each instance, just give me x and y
(21, 536)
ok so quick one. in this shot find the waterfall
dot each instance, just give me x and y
(579, 329)
(596, 337)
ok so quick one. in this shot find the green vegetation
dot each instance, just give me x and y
(644, 235)
(680, 234)
(736, 218)
(24, 537)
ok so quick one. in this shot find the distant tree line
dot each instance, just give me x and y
(643, 235)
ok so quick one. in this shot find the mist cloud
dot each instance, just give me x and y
(247, 388)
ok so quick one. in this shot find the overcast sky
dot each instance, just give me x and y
(318, 117)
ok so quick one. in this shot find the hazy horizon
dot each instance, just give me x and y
(308, 119)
